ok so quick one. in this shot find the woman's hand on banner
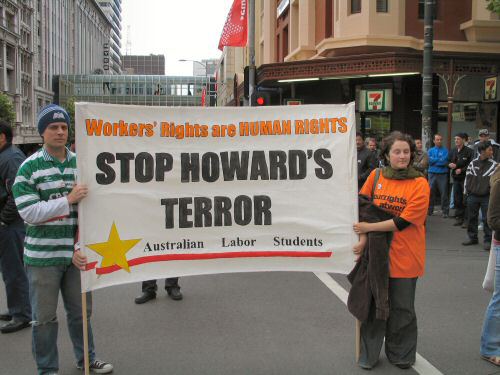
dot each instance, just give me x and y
(361, 228)
(360, 246)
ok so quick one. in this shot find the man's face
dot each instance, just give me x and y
(359, 142)
(484, 137)
(3, 140)
(372, 145)
(438, 140)
(56, 135)
(459, 141)
(418, 144)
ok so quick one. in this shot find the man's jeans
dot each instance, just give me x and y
(13, 274)
(45, 283)
(474, 203)
(439, 182)
(490, 338)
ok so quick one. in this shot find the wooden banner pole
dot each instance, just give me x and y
(85, 334)
(358, 339)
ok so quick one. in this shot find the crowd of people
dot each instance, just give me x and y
(38, 225)
(405, 182)
(459, 178)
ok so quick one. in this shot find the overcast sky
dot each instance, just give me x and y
(178, 29)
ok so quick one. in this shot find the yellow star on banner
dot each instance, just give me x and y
(113, 252)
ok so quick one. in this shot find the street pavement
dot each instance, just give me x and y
(276, 323)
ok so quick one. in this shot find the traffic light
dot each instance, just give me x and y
(261, 99)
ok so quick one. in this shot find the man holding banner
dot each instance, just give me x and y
(46, 195)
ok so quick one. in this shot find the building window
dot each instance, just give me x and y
(382, 6)
(328, 18)
(278, 41)
(421, 9)
(355, 6)
(285, 42)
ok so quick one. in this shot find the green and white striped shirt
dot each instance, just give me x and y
(40, 189)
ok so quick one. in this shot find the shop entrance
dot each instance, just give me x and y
(375, 124)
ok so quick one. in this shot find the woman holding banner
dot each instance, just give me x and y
(403, 191)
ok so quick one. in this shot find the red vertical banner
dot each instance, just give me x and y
(203, 97)
(234, 33)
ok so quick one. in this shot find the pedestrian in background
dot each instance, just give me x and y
(484, 136)
(404, 192)
(460, 157)
(367, 161)
(421, 161)
(438, 175)
(372, 145)
(12, 238)
(149, 288)
(490, 337)
(477, 189)
(46, 195)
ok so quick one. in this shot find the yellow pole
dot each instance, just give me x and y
(85, 334)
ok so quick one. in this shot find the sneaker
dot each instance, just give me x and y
(98, 367)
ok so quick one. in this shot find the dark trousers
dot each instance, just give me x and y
(458, 199)
(400, 330)
(439, 182)
(13, 273)
(152, 287)
(474, 204)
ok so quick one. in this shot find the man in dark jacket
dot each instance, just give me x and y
(12, 238)
(477, 188)
(460, 157)
(367, 160)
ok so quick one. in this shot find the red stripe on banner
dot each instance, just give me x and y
(90, 266)
(242, 254)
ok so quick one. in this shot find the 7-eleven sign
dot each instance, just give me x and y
(490, 88)
(375, 100)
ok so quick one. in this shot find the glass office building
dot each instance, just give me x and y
(133, 89)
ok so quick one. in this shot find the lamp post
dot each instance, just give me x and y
(207, 86)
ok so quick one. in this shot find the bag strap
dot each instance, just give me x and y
(377, 175)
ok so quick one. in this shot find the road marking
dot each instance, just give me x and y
(422, 366)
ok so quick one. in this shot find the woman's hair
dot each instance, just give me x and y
(388, 141)
(483, 146)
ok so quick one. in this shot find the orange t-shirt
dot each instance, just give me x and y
(408, 199)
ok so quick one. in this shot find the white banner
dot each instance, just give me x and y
(189, 191)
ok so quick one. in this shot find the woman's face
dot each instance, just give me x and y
(399, 155)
